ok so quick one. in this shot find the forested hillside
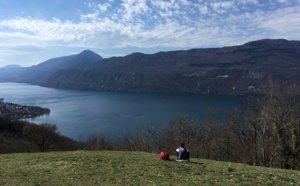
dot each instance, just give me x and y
(240, 69)
(21, 136)
(229, 70)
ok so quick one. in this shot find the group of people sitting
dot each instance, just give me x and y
(182, 154)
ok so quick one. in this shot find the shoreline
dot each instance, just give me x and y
(16, 111)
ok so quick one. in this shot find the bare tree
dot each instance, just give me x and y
(267, 132)
(42, 135)
(282, 111)
(98, 142)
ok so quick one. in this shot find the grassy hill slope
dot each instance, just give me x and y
(131, 168)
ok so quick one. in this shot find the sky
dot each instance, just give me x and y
(33, 31)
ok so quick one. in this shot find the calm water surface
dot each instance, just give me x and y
(79, 114)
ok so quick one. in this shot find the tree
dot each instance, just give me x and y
(267, 133)
(98, 142)
(282, 111)
(42, 135)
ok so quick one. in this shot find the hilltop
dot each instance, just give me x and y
(131, 168)
(37, 74)
(240, 69)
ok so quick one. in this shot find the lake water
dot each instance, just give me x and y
(79, 114)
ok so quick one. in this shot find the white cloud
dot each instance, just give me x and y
(134, 7)
(282, 1)
(11, 52)
(104, 7)
(222, 6)
(285, 22)
(89, 17)
(19, 39)
(164, 5)
(115, 26)
(90, 5)
(185, 2)
(248, 1)
(146, 24)
(203, 9)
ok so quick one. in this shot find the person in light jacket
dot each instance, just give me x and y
(183, 154)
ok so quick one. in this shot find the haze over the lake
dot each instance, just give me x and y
(33, 31)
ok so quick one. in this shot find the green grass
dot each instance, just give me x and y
(131, 168)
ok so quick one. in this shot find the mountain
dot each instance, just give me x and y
(11, 67)
(41, 72)
(228, 70)
(9, 72)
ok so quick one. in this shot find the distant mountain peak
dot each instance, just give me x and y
(90, 55)
(12, 66)
(88, 52)
(267, 42)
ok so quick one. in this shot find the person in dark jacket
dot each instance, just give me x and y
(183, 154)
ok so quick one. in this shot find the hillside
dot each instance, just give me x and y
(17, 136)
(131, 168)
(39, 73)
(228, 70)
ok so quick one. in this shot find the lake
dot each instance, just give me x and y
(79, 114)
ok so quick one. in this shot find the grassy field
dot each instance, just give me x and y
(131, 168)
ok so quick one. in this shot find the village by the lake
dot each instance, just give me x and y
(16, 111)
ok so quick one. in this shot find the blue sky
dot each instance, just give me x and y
(32, 31)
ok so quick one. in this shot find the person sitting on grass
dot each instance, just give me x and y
(183, 154)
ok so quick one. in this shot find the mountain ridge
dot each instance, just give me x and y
(39, 73)
(240, 69)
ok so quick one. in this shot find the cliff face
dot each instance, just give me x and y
(229, 70)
